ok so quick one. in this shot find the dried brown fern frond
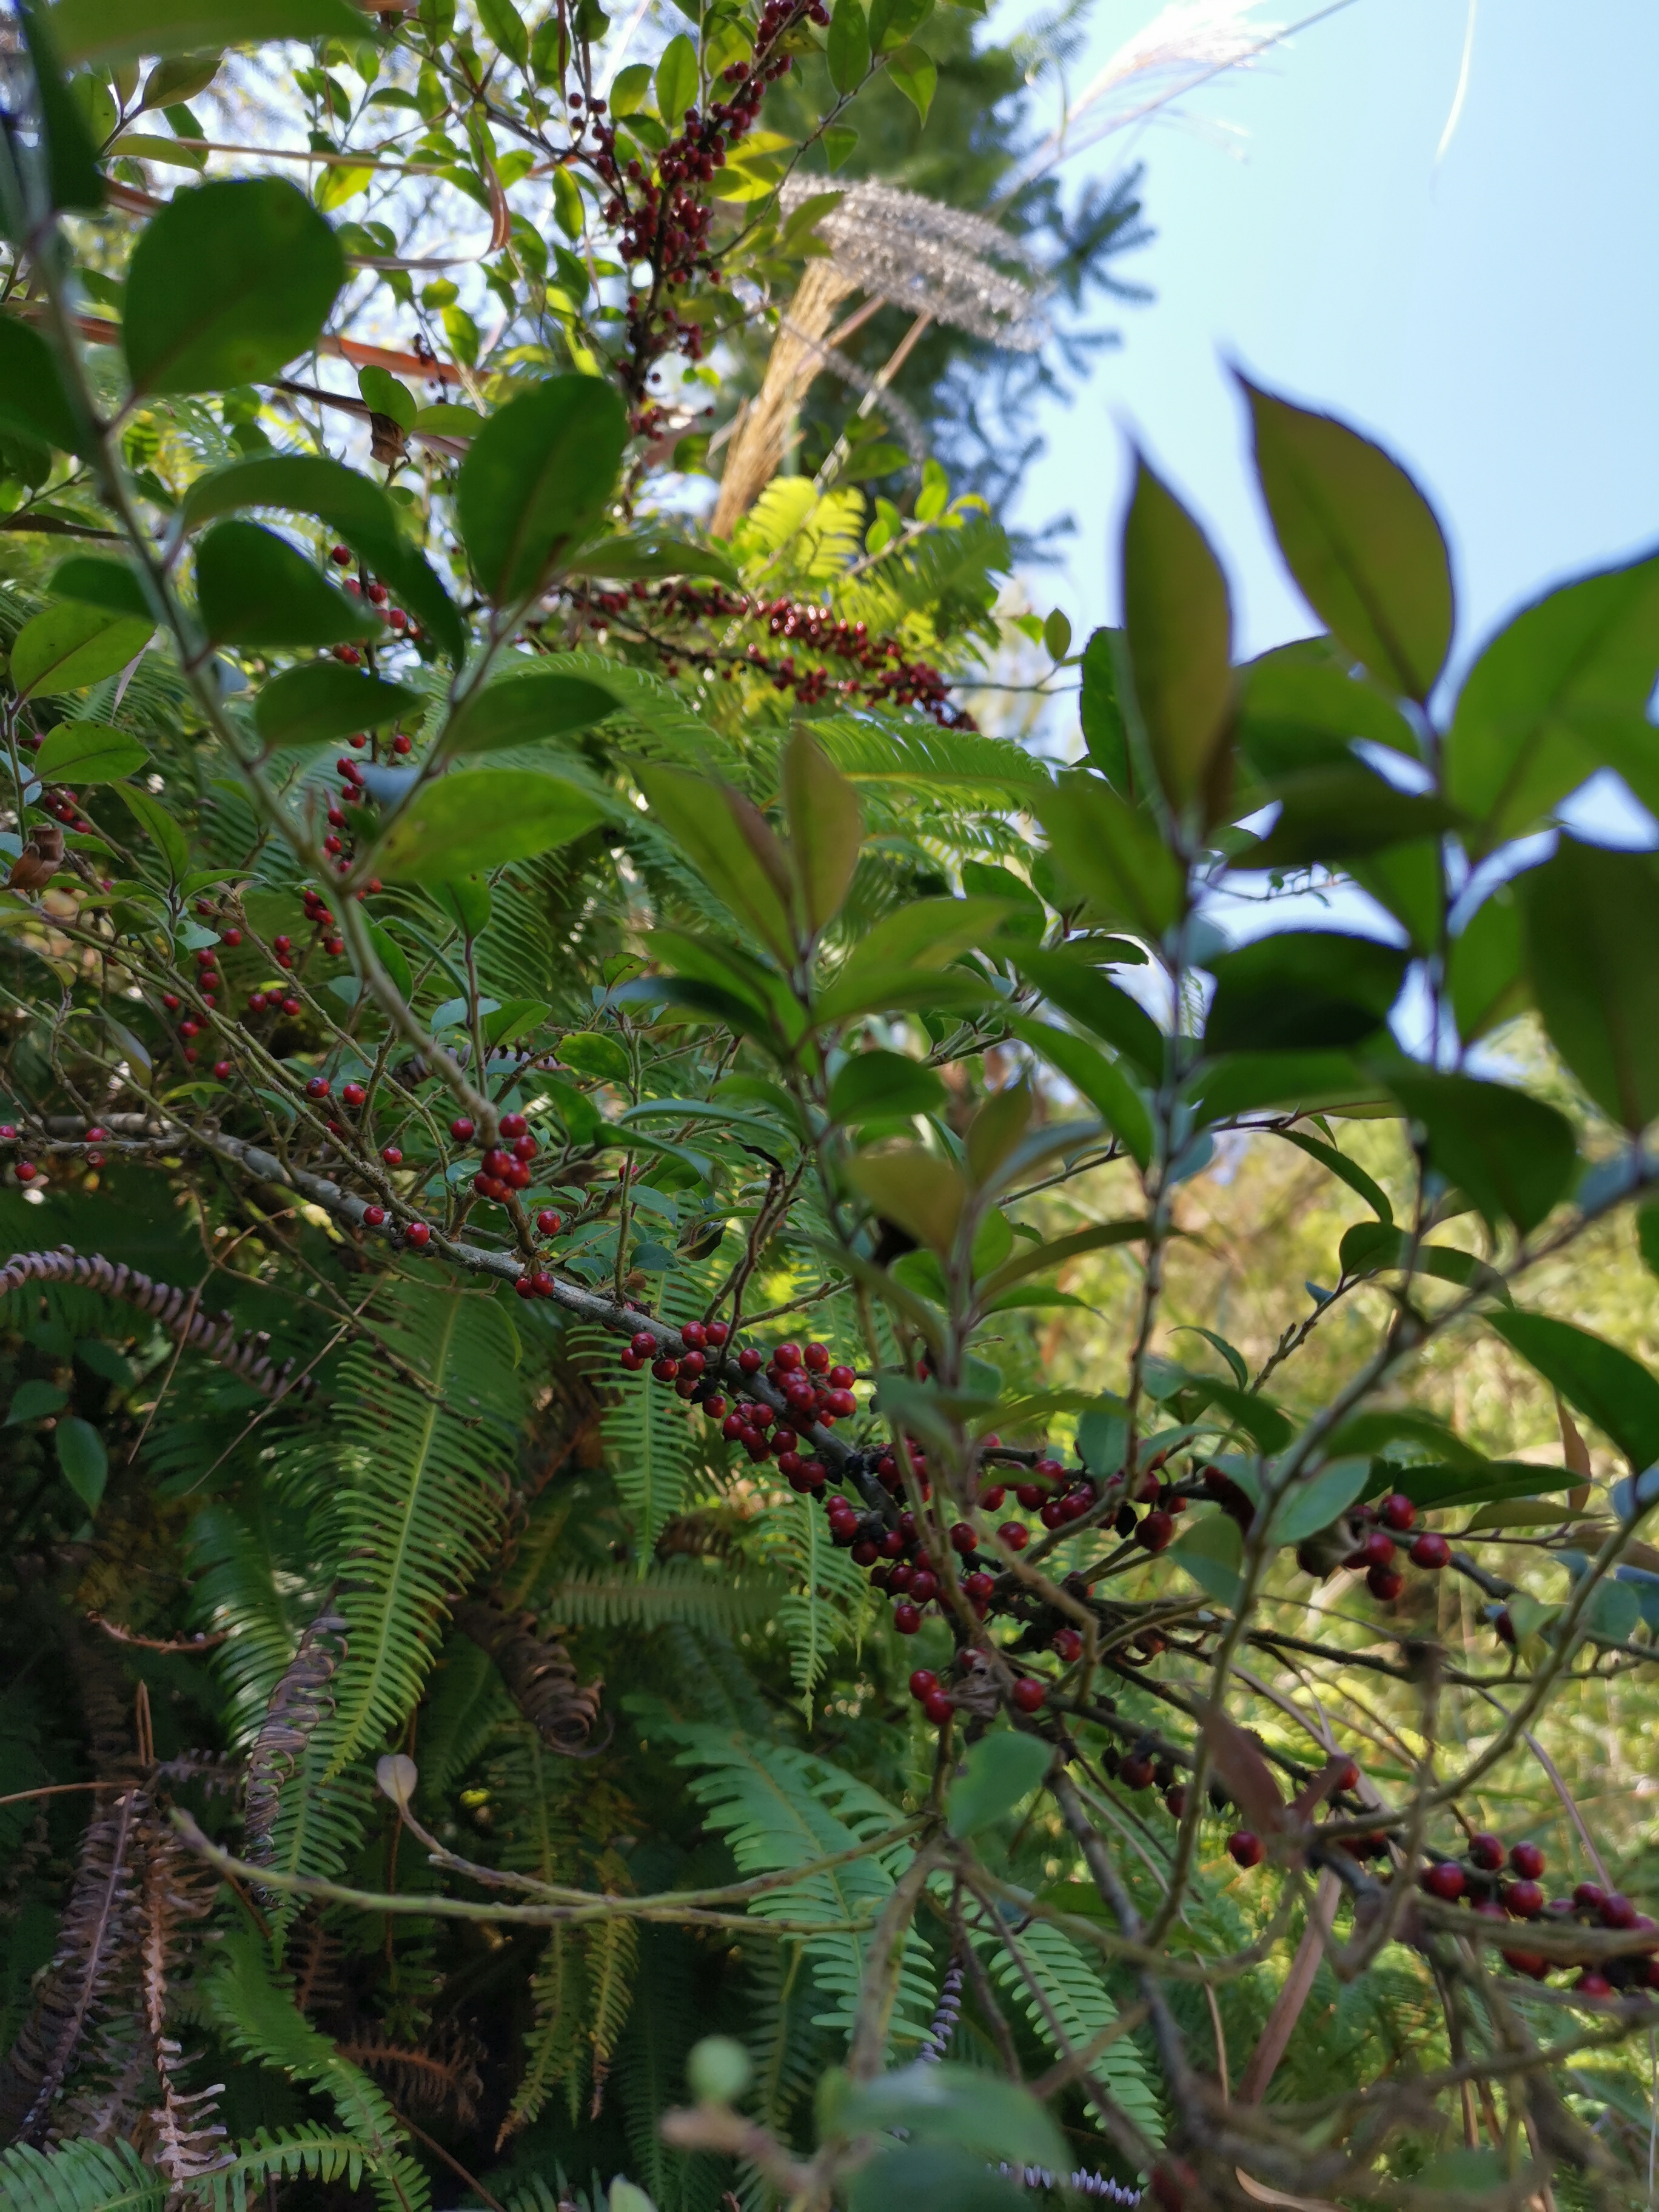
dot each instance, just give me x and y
(538, 1673)
(297, 1705)
(178, 1312)
(441, 2075)
(187, 2140)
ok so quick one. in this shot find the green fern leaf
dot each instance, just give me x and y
(310, 2151)
(1080, 2005)
(828, 1594)
(699, 1592)
(82, 2176)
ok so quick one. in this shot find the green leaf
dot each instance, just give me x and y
(1526, 730)
(71, 646)
(1307, 1081)
(924, 1193)
(879, 1085)
(1103, 1082)
(505, 29)
(353, 507)
(254, 589)
(1178, 629)
(88, 752)
(848, 46)
(914, 72)
(390, 396)
(591, 1053)
(162, 830)
(1512, 1156)
(1349, 1171)
(629, 87)
(73, 177)
(322, 700)
(963, 2105)
(523, 709)
(479, 817)
(1595, 1378)
(1001, 1770)
(892, 22)
(677, 80)
(514, 1019)
(1588, 915)
(110, 585)
(1305, 988)
(1340, 813)
(826, 826)
(33, 1402)
(1486, 970)
(1314, 1504)
(465, 900)
(1212, 1552)
(32, 401)
(1371, 1246)
(108, 31)
(1104, 732)
(1034, 1258)
(537, 480)
(81, 1459)
(392, 959)
(1071, 980)
(1111, 852)
(226, 285)
(730, 843)
(1298, 713)
(1360, 539)
(651, 555)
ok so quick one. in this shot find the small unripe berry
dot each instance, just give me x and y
(1029, 1694)
(1246, 1847)
(718, 2070)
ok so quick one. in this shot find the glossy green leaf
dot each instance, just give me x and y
(70, 646)
(1339, 813)
(159, 826)
(537, 480)
(525, 708)
(74, 180)
(931, 2177)
(1595, 1378)
(1103, 1082)
(1370, 1247)
(1178, 629)
(1360, 539)
(1512, 1156)
(963, 2105)
(1486, 972)
(1306, 1082)
(322, 700)
(916, 75)
(1002, 1770)
(677, 80)
(1530, 714)
(81, 1459)
(1314, 1504)
(1112, 853)
(32, 401)
(876, 1085)
(353, 508)
(826, 825)
(892, 22)
(848, 45)
(479, 817)
(109, 31)
(1348, 1171)
(1036, 1258)
(1591, 917)
(1070, 979)
(651, 554)
(924, 1193)
(228, 284)
(1212, 1552)
(465, 900)
(514, 1019)
(393, 958)
(506, 30)
(254, 589)
(731, 844)
(88, 752)
(1105, 733)
(96, 583)
(1301, 989)
(390, 396)
(1299, 711)
(33, 1401)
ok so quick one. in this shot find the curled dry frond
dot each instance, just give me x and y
(538, 1675)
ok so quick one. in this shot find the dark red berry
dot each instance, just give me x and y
(1397, 1512)
(977, 1586)
(26, 1171)
(1446, 1881)
(1155, 1531)
(1527, 1860)
(514, 1125)
(317, 1087)
(548, 1222)
(748, 1360)
(352, 1095)
(461, 1128)
(1618, 1911)
(645, 1344)
(718, 1332)
(1385, 1583)
(842, 1378)
(1377, 1549)
(1487, 1851)
(418, 1234)
(1590, 1895)
(907, 1617)
(630, 1360)
(924, 1584)
(1136, 1771)
(221, 1069)
(1067, 1644)
(1029, 1694)
(694, 1335)
(1015, 1535)
(374, 1216)
(342, 554)
(665, 1369)
(1524, 1899)
(1432, 1551)
(1592, 1984)
(937, 1707)
(923, 1683)
(1246, 1847)
(816, 1357)
(786, 1358)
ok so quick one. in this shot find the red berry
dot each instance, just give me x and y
(233, 937)
(317, 1087)
(221, 1069)
(1592, 1984)
(865, 1554)
(1503, 1627)
(1397, 1511)
(718, 1332)
(1385, 1583)
(816, 1357)
(189, 1029)
(1527, 1860)
(748, 1360)
(418, 1234)
(1446, 1881)
(937, 1707)
(1528, 1962)
(1067, 1644)
(842, 1405)
(548, 1222)
(693, 1364)
(694, 1335)
(1052, 1469)
(786, 1358)
(1246, 1847)
(714, 1407)
(1487, 1851)
(630, 1360)
(353, 1095)
(645, 1344)
(461, 1128)
(1029, 1694)
(374, 1216)
(1015, 1535)
(1031, 1495)
(1136, 1771)
(923, 1683)
(342, 555)
(842, 1378)
(924, 1584)
(1377, 1549)
(732, 1426)
(991, 1499)
(664, 1370)
(514, 1125)
(291, 1008)
(1618, 1911)
(907, 1617)
(392, 1156)
(8, 1133)
(1524, 1899)
(26, 1171)
(1430, 1551)
(962, 1537)
(1155, 1531)
(977, 1586)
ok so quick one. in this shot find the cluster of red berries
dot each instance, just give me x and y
(889, 678)
(1476, 1880)
(64, 807)
(1378, 1552)
(1027, 1695)
(377, 595)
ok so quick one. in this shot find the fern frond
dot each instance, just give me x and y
(81, 2177)
(1081, 2007)
(701, 1593)
(919, 757)
(553, 2048)
(311, 2152)
(466, 1704)
(237, 1595)
(425, 1497)
(826, 1593)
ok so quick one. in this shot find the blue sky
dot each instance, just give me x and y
(1494, 319)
